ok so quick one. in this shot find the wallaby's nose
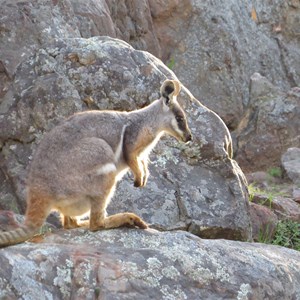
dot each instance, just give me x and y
(189, 138)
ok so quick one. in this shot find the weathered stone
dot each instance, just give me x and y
(213, 50)
(197, 187)
(291, 162)
(270, 126)
(263, 222)
(130, 21)
(217, 55)
(286, 208)
(259, 177)
(26, 26)
(146, 264)
(296, 194)
(7, 221)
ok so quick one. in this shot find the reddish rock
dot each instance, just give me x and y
(263, 222)
(258, 177)
(7, 221)
(286, 208)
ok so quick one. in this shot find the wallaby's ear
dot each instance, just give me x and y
(169, 89)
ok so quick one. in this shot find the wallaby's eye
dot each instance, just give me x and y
(179, 119)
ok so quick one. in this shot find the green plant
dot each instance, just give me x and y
(264, 235)
(287, 234)
(171, 63)
(97, 292)
(275, 172)
(269, 194)
(253, 190)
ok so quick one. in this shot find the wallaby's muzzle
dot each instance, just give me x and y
(188, 138)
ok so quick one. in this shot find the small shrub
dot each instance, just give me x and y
(253, 190)
(287, 234)
(171, 63)
(264, 235)
(275, 172)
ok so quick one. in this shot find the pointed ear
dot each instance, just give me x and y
(177, 87)
(169, 89)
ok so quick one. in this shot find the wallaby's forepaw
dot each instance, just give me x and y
(134, 221)
(140, 182)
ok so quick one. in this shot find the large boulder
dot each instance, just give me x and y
(146, 264)
(269, 127)
(129, 21)
(26, 26)
(291, 163)
(224, 45)
(213, 50)
(196, 187)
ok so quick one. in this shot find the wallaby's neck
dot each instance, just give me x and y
(150, 117)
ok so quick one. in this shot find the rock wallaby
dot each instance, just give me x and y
(77, 164)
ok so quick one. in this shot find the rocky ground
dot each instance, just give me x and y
(145, 264)
(275, 197)
(242, 61)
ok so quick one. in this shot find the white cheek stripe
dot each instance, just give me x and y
(105, 169)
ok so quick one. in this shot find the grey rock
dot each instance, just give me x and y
(224, 45)
(269, 127)
(197, 187)
(146, 264)
(130, 21)
(291, 163)
(213, 50)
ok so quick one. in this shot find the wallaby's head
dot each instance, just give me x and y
(175, 119)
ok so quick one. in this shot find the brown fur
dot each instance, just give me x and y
(77, 164)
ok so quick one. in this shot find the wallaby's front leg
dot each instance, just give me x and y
(139, 170)
(146, 171)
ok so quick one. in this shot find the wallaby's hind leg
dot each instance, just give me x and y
(39, 206)
(99, 204)
(98, 219)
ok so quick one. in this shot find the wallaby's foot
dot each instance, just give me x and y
(124, 219)
(70, 222)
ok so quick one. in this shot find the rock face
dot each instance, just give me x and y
(138, 264)
(291, 163)
(270, 125)
(198, 188)
(213, 50)
(219, 52)
(264, 222)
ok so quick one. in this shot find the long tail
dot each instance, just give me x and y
(17, 236)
